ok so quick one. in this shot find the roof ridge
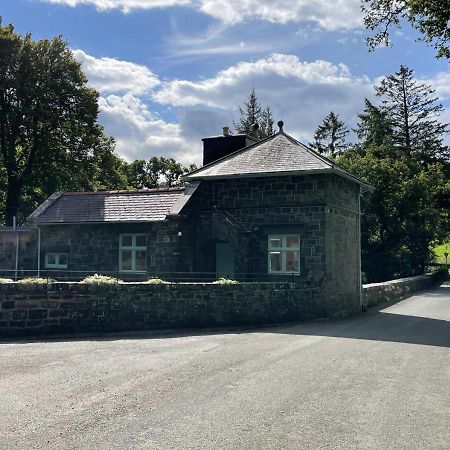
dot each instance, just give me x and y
(123, 191)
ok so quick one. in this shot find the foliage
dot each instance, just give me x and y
(330, 136)
(36, 280)
(411, 113)
(439, 251)
(430, 17)
(156, 172)
(6, 280)
(155, 280)
(252, 113)
(97, 279)
(49, 136)
(225, 281)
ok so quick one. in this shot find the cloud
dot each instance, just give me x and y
(140, 134)
(113, 75)
(441, 83)
(300, 93)
(331, 15)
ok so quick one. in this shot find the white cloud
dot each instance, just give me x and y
(441, 83)
(300, 93)
(140, 134)
(332, 15)
(113, 75)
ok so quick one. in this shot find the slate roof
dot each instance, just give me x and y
(279, 154)
(108, 206)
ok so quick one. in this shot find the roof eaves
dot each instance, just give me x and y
(101, 222)
(333, 170)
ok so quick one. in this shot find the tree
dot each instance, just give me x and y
(412, 110)
(401, 217)
(329, 137)
(429, 17)
(156, 172)
(253, 113)
(49, 136)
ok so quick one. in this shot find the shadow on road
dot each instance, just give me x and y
(373, 325)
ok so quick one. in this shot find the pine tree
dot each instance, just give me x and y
(374, 129)
(413, 110)
(266, 125)
(253, 113)
(330, 137)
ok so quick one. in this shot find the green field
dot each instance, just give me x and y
(439, 252)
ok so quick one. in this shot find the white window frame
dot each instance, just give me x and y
(133, 248)
(283, 250)
(57, 264)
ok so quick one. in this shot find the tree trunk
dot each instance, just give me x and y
(12, 199)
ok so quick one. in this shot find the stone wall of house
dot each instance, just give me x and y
(95, 248)
(76, 307)
(245, 211)
(342, 246)
(375, 294)
(27, 255)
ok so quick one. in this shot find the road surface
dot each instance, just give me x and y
(377, 381)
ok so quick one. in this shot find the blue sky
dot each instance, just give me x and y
(173, 71)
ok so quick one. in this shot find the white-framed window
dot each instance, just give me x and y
(132, 252)
(55, 260)
(284, 253)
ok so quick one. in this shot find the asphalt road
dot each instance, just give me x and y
(377, 381)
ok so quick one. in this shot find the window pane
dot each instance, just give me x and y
(141, 263)
(275, 262)
(275, 242)
(292, 261)
(141, 241)
(127, 241)
(51, 259)
(126, 259)
(293, 241)
(63, 260)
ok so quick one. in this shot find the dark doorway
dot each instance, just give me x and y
(224, 260)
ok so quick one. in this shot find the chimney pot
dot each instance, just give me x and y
(226, 131)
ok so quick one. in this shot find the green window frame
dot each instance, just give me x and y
(54, 260)
(133, 252)
(283, 256)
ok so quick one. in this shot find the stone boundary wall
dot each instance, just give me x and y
(76, 307)
(63, 307)
(391, 291)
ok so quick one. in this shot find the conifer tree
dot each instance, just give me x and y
(330, 137)
(253, 113)
(412, 109)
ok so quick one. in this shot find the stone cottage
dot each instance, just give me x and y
(257, 210)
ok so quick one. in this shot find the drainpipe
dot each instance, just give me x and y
(17, 247)
(39, 253)
(359, 250)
